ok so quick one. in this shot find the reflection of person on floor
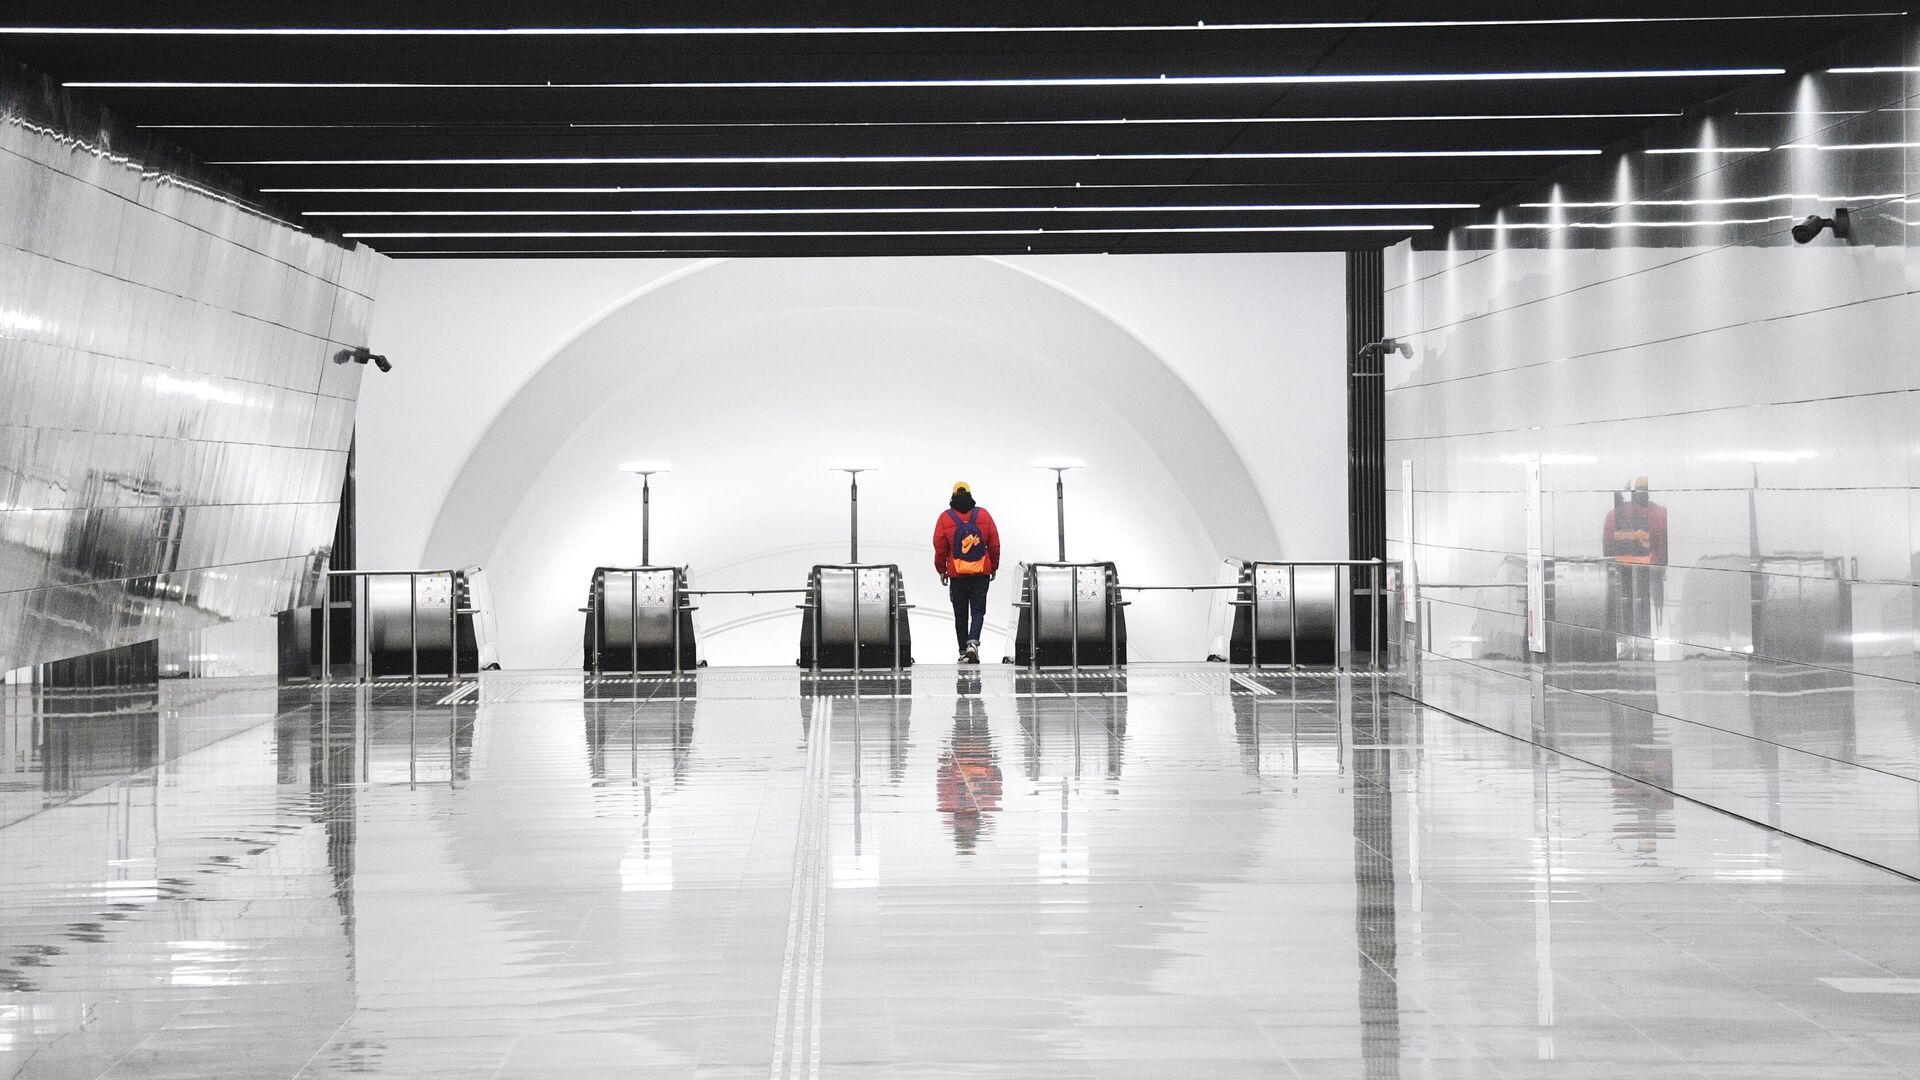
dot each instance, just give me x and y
(1635, 538)
(968, 777)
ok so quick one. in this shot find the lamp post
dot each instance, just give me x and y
(646, 471)
(853, 471)
(1060, 467)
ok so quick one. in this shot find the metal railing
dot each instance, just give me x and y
(815, 592)
(1032, 607)
(1375, 592)
(1343, 599)
(597, 614)
(363, 611)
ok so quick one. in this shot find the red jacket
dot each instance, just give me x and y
(943, 541)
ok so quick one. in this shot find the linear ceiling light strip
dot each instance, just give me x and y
(888, 232)
(931, 159)
(948, 84)
(862, 210)
(757, 124)
(674, 189)
(1198, 26)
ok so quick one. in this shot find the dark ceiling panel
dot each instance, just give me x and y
(289, 140)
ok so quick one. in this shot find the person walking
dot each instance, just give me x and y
(966, 551)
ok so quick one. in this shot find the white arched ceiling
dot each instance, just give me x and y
(751, 376)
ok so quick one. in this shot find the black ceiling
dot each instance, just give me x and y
(1099, 193)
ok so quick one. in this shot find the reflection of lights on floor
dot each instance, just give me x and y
(205, 963)
(20, 320)
(647, 866)
(861, 871)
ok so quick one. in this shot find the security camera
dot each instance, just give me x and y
(362, 355)
(1388, 345)
(1841, 223)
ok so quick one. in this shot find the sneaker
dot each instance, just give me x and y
(973, 652)
(963, 659)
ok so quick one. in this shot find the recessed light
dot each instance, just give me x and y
(1710, 150)
(1518, 226)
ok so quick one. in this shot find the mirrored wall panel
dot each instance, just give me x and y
(1704, 348)
(173, 426)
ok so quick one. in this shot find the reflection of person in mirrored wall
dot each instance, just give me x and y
(1636, 529)
(1635, 537)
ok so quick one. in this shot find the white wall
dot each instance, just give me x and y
(1206, 392)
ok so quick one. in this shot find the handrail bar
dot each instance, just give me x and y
(398, 573)
(747, 592)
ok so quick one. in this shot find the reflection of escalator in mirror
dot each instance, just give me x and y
(870, 746)
(427, 744)
(1295, 734)
(630, 742)
(1075, 736)
(638, 754)
(89, 741)
(316, 750)
(968, 776)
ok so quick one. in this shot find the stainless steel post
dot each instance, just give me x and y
(1060, 513)
(1339, 594)
(818, 598)
(646, 519)
(633, 623)
(365, 655)
(895, 612)
(1376, 613)
(1073, 621)
(677, 601)
(1293, 619)
(1113, 619)
(413, 622)
(855, 502)
(597, 612)
(1033, 619)
(453, 628)
(856, 626)
(326, 630)
(1253, 618)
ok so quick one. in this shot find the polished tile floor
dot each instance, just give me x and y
(959, 874)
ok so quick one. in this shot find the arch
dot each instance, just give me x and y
(1083, 341)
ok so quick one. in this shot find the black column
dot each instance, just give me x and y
(1366, 422)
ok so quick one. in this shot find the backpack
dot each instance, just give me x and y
(969, 544)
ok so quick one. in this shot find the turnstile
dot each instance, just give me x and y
(1291, 610)
(856, 602)
(1071, 615)
(638, 619)
(428, 623)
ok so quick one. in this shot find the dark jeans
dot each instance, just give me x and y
(969, 595)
